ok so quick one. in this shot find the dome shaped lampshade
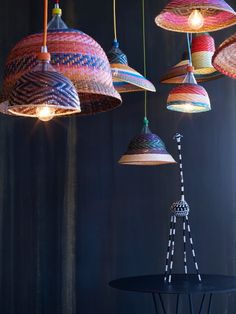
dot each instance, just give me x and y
(224, 59)
(189, 96)
(203, 48)
(146, 149)
(43, 93)
(125, 78)
(77, 56)
(196, 16)
(177, 73)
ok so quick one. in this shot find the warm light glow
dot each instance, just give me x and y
(187, 108)
(196, 20)
(45, 113)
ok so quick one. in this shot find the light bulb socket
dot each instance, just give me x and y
(56, 11)
(190, 68)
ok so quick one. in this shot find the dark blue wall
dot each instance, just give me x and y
(71, 218)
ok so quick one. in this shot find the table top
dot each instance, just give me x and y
(181, 284)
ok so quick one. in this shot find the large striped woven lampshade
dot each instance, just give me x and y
(74, 54)
(125, 78)
(196, 16)
(177, 73)
(224, 59)
(43, 93)
(146, 149)
(189, 97)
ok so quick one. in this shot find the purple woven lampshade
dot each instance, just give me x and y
(126, 79)
(146, 149)
(177, 73)
(214, 14)
(43, 93)
(73, 54)
(224, 59)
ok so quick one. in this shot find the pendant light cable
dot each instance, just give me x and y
(114, 20)
(144, 59)
(189, 48)
(45, 25)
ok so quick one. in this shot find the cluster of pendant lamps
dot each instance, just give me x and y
(63, 71)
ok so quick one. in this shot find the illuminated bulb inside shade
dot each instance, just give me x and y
(45, 113)
(196, 20)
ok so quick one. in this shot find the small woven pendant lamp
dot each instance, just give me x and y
(146, 149)
(224, 59)
(177, 73)
(189, 97)
(74, 54)
(43, 92)
(125, 79)
(180, 211)
(196, 16)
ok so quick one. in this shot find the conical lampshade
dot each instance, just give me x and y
(224, 59)
(43, 93)
(125, 78)
(146, 149)
(203, 48)
(74, 54)
(196, 16)
(189, 96)
(177, 73)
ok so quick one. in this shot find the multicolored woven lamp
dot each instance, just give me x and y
(196, 16)
(189, 97)
(146, 149)
(43, 92)
(74, 54)
(125, 78)
(224, 59)
(177, 73)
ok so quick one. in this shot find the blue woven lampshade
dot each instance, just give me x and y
(146, 149)
(126, 79)
(43, 93)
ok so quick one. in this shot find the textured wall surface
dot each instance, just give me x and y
(71, 218)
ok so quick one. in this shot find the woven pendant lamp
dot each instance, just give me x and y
(125, 78)
(146, 149)
(74, 54)
(203, 48)
(43, 92)
(224, 59)
(196, 16)
(177, 73)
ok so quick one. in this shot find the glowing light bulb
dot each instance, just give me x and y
(196, 20)
(45, 113)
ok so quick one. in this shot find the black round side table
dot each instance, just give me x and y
(181, 285)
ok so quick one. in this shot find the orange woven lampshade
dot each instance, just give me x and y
(196, 16)
(74, 54)
(146, 149)
(224, 59)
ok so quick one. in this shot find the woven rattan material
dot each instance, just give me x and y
(224, 59)
(217, 15)
(203, 48)
(190, 97)
(177, 73)
(77, 56)
(44, 89)
(125, 78)
(146, 149)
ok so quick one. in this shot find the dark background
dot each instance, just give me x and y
(71, 218)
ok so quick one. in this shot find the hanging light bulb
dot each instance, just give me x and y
(196, 20)
(45, 113)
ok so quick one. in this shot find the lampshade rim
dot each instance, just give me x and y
(175, 106)
(146, 159)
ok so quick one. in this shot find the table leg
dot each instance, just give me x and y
(202, 302)
(155, 302)
(190, 303)
(177, 305)
(209, 305)
(162, 303)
